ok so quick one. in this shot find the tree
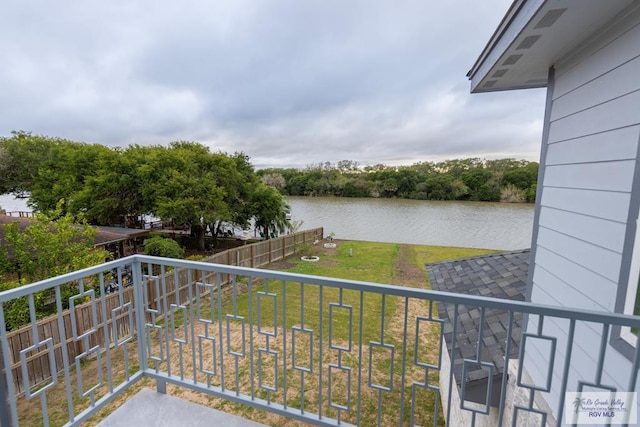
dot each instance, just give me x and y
(522, 177)
(21, 157)
(488, 192)
(458, 167)
(477, 180)
(357, 187)
(114, 192)
(185, 183)
(274, 180)
(346, 166)
(63, 174)
(236, 176)
(270, 211)
(48, 248)
(44, 249)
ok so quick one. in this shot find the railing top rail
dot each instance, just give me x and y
(427, 294)
(65, 278)
(439, 296)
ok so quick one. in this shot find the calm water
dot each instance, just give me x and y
(9, 204)
(467, 224)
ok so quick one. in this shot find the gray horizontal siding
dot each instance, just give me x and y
(611, 85)
(618, 45)
(578, 296)
(614, 114)
(597, 231)
(584, 353)
(618, 144)
(590, 162)
(607, 176)
(602, 204)
(600, 260)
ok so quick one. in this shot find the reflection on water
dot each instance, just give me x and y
(466, 224)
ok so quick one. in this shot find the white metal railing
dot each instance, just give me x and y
(320, 350)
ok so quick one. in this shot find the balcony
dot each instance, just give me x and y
(300, 347)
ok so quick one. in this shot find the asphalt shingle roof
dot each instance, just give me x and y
(500, 275)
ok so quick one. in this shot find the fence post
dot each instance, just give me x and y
(252, 252)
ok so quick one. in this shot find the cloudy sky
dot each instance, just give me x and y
(289, 82)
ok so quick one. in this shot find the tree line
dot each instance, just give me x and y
(183, 182)
(474, 179)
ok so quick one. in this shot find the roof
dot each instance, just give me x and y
(500, 275)
(104, 235)
(117, 234)
(536, 34)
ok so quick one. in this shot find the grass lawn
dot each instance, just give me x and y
(383, 263)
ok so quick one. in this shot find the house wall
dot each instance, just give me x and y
(587, 204)
(514, 396)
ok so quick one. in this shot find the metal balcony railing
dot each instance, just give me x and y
(320, 350)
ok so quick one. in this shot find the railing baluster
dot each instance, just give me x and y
(191, 284)
(567, 363)
(220, 335)
(193, 370)
(103, 306)
(284, 342)
(9, 374)
(404, 359)
(251, 354)
(320, 354)
(65, 354)
(633, 377)
(293, 350)
(384, 301)
(234, 291)
(601, 354)
(451, 360)
(359, 402)
(505, 370)
(165, 325)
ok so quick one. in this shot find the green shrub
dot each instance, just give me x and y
(159, 246)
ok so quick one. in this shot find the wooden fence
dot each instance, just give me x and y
(115, 318)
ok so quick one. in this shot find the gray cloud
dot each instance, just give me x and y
(288, 82)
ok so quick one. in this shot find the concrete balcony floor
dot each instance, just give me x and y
(149, 408)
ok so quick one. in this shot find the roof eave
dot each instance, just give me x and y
(535, 35)
(497, 35)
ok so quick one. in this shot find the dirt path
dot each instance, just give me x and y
(407, 273)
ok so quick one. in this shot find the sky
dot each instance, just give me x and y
(288, 82)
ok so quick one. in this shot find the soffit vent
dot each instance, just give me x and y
(550, 18)
(527, 42)
(490, 83)
(512, 59)
(500, 73)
